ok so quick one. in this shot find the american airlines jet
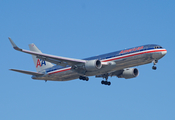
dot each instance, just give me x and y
(117, 63)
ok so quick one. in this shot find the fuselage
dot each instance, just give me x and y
(119, 60)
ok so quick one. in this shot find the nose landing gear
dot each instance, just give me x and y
(154, 64)
(154, 67)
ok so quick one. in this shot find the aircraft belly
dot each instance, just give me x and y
(61, 76)
(65, 76)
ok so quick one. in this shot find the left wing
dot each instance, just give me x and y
(63, 61)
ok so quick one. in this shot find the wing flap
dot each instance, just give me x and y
(27, 72)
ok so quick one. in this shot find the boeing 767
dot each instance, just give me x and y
(119, 63)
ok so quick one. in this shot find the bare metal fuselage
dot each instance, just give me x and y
(116, 63)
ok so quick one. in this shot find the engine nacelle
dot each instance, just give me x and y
(129, 73)
(92, 65)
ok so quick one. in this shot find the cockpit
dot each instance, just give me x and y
(156, 47)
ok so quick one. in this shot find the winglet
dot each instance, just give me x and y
(14, 45)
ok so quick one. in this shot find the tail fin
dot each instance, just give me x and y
(39, 64)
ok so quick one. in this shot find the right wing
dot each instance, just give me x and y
(62, 61)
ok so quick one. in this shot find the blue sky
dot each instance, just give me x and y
(80, 29)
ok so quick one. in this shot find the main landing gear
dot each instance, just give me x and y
(154, 64)
(83, 78)
(105, 82)
(105, 76)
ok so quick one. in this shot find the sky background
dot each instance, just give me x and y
(80, 29)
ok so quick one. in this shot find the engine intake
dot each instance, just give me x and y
(129, 73)
(92, 65)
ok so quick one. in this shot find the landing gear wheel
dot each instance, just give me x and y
(102, 82)
(83, 78)
(154, 63)
(105, 82)
(87, 79)
(109, 83)
(154, 67)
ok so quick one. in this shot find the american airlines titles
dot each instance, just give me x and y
(131, 50)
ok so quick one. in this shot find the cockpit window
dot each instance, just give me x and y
(156, 47)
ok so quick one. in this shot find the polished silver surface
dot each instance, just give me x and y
(118, 65)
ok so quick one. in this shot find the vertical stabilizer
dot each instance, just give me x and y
(40, 65)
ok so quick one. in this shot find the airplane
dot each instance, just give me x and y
(119, 63)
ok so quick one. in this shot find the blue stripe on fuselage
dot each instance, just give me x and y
(107, 56)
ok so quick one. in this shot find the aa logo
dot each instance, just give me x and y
(40, 63)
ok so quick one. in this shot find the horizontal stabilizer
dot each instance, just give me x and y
(27, 72)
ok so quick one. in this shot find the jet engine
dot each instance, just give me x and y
(129, 73)
(92, 65)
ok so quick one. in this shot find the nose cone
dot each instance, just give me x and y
(164, 52)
